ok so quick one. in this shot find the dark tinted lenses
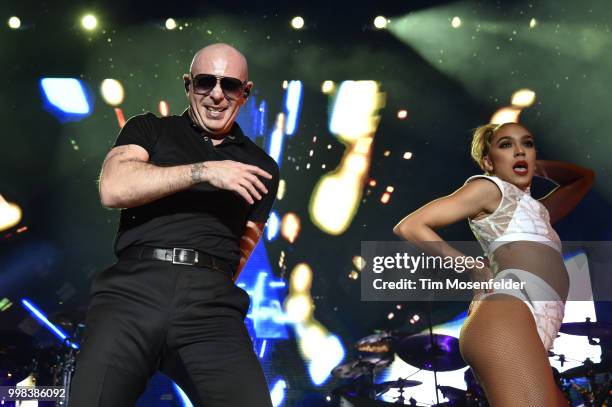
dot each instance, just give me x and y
(205, 83)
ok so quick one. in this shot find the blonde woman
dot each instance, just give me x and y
(507, 334)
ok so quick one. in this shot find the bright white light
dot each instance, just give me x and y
(506, 115)
(10, 214)
(329, 355)
(277, 137)
(297, 22)
(292, 105)
(170, 24)
(273, 226)
(533, 23)
(328, 87)
(184, 399)
(89, 22)
(407, 155)
(456, 22)
(352, 116)
(301, 278)
(298, 308)
(278, 393)
(14, 22)
(523, 98)
(112, 92)
(380, 22)
(67, 94)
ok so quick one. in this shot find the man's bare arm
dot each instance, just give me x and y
(248, 241)
(128, 179)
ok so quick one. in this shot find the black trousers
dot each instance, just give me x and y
(187, 322)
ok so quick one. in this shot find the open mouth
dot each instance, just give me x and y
(216, 109)
(520, 168)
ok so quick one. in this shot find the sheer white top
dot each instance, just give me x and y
(518, 217)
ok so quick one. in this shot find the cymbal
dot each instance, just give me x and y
(396, 384)
(588, 328)
(361, 366)
(377, 343)
(586, 370)
(443, 355)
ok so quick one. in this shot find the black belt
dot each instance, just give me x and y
(176, 255)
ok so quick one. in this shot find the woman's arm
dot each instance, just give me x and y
(478, 196)
(573, 184)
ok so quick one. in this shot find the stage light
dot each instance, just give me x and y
(293, 102)
(277, 394)
(182, 396)
(10, 214)
(282, 186)
(14, 23)
(297, 22)
(298, 308)
(328, 87)
(170, 24)
(42, 318)
(358, 262)
(65, 97)
(89, 22)
(290, 227)
(329, 352)
(456, 22)
(301, 278)
(506, 115)
(112, 92)
(407, 155)
(164, 109)
(380, 22)
(353, 121)
(533, 23)
(273, 226)
(275, 145)
(523, 98)
(402, 114)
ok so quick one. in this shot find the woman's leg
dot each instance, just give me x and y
(500, 341)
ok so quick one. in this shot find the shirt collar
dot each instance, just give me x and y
(235, 135)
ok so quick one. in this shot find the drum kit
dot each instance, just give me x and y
(589, 384)
(27, 360)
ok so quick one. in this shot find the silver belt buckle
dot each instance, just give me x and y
(180, 257)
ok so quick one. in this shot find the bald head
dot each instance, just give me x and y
(222, 60)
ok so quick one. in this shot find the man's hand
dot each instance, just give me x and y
(233, 176)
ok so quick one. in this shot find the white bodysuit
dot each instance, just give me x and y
(520, 217)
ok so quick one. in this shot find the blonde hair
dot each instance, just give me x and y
(481, 142)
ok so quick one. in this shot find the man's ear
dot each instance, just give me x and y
(247, 91)
(186, 81)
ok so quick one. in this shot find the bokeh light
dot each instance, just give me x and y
(10, 214)
(171, 24)
(89, 22)
(14, 22)
(112, 92)
(297, 23)
(380, 22)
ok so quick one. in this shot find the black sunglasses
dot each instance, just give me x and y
(204, 83)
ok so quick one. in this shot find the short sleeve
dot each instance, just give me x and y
(495, 180)
(260, 210)
(139, 130)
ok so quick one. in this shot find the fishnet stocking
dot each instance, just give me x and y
(500, 341)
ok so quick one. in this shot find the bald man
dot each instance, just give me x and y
(194, 194)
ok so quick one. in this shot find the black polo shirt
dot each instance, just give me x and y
(203, 217)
